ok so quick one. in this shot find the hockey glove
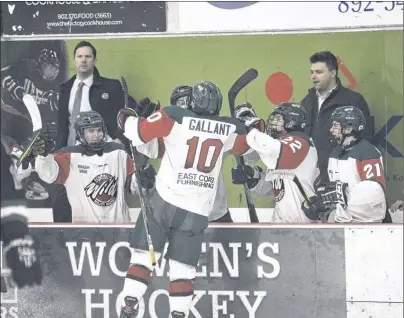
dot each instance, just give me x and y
(341, 188)
(49, 131)
(123, 115)
(146, 107)
(333, 193)
(147, 176)
(397, 206)
(21, 251)
(247, 115)
(315, 209)
(243, 174)
(37, 149)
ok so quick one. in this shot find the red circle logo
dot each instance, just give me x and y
(278, 88)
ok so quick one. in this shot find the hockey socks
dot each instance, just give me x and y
(181, 292)
(136, 282)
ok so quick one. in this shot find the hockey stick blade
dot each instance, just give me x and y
(36, 119)
(238, 85)
(143, 199)
(33, 111)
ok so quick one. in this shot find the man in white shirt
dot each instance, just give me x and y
(85, 91)
(326, 95)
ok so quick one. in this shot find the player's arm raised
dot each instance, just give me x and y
(53, 168)
(153, 149)
(144, 108)
(139, 130)
(47, 168)
(267, 148)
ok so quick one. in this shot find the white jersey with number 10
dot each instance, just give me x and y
(193, 148)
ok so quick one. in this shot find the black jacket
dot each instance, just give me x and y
(106, 97)
(319, 124)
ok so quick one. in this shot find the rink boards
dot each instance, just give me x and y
(266, 271)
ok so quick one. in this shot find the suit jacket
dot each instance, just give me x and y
(106, 97)
(319, 123)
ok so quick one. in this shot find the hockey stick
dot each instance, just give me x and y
(143, 199)
(242, 82)
(35, 115)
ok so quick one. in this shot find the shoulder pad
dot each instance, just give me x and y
(364, 150)
(241, 129)
(72, 149)
(111, 146)
(177, 113)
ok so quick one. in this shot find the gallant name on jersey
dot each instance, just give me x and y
(206, 126)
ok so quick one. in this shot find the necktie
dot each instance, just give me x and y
(75, 111)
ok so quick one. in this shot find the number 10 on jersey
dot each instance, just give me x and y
(213, 146)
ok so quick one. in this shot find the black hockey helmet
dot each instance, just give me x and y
(90, 119)
(207, 99)
(182, 96)
(350, 117)
(294, 118)
(48, 64)
(352, 123)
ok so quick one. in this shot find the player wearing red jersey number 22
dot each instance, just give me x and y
(284, 147)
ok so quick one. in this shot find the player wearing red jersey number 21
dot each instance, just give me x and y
(355, 169)
(194, 143)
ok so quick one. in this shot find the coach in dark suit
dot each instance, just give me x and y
(326, 95)
(87, 90)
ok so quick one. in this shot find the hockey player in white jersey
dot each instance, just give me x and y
(355, 169)
(182, 97)
(94, 172)
(282, 147)
(194, 143)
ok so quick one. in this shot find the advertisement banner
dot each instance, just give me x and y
(242, 272)
(247, 16)
(81, 17)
